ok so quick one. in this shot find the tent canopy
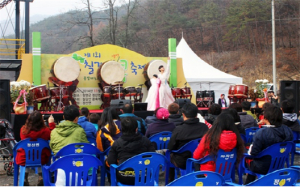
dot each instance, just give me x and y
(202, 76)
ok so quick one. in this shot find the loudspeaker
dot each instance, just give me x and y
(118, 103)
(290, 90)
(140, 106)
(182, 102)
(5, 99)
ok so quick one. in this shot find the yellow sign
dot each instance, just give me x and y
(78, 150)
(79, 163)
(282, 150)
(200, 183)
(282, 182)
(147, 162)
(164, 139)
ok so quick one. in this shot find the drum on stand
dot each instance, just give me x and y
(66, 69)
(108, 74)
(55, 92)
(186, 92)
(176, 92)
(151, 68)
(237, 93)
(40, 92)
(118, 92)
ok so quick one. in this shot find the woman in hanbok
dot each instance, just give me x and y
(165, 93)
(153, 94)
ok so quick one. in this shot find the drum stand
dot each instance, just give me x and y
(140, 94)
(60, 103)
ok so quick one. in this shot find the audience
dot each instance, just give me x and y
(213, 111)
(35, 128)
(247, 121)
(131, 143)
(151, 119)
(127, 111)
(191, 129)
(161, 124)
(174, 117)
(273, 132)
(236, 118)
(109, 130)
(95, 119)
(88, 127)
(223, 135)
(246, 106)
(289, 117)
(68, 131)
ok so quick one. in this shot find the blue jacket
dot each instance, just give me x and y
(142, 127)
(88, 127)
(264, 138)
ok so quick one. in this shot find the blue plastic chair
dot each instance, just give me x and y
(200, 178)
(225, 163)
(33, 150)
(76, 167)
(85, 148)
(250, 132)
(282, 177)
(296, 145)
(145, 166)
(161, 139)
(279, 153)
(298, 169)
(190, 146)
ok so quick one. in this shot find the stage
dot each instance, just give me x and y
(18, 120)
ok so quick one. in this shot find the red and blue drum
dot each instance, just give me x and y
(40, 92)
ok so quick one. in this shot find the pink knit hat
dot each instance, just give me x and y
(162, 113)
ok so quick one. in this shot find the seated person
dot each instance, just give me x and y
(109, 130)
(226, 133)
(127, 111)
(273, 132)
(289, 117)
(35, 128)
(246, 107)
(95, 119)
(175, 117)
(88, 127)
(151, 119)
(68, 131)
(261, 116)
(247, 121)
(237, 119)
(213, 111)
(161, 124)
(131, 143)
(191, 129)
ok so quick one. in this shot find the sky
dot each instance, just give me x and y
(40, 9)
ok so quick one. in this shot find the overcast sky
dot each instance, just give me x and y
(49, 7)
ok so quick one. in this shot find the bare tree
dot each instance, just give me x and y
(112, 19)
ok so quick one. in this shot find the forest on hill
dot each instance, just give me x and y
(232, 35)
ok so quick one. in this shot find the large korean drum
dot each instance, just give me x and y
(66, 69)
(110, 72)
(151, 68)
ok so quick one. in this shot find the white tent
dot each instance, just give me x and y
(202, 76)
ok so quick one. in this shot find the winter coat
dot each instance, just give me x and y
(128, 146)
(264, 138)
(291, 121)
(247, 121)
(104, 139)
(142, 127)
(228, 141)
(189, 130)
(240, 128)
(43, 133)
(211, 118)
(176, 119)
(67, 132)
(159, 126)
(88, 127)
(150, 119)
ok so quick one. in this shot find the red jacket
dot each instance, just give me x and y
(44, 133)
(228, 141)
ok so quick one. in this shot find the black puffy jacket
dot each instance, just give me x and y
(128, 146)
(176, 119)
(264, 138)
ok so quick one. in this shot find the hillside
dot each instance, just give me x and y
(232, 35)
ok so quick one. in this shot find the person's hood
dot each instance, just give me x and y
(174, 116)
(281, 133)
(290, 117)
(132, 142)
(191, 121)
(66, 128)
(105, 129)
(228, 140)
(82, 119)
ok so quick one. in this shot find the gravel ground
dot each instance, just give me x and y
(33, 178)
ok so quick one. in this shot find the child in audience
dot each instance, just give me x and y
(131, 143)
(261, 116)
(35, 128)
(109, 129)
(271, 133)
(223, 135)
(88, 127)
(95, 119)
(213, 112)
